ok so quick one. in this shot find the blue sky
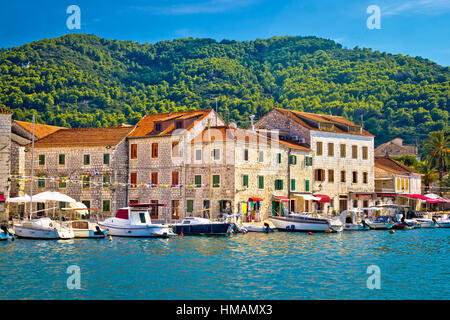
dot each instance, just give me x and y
(413, 27)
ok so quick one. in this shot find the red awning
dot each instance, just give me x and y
(2, 198)
(364, 195)
(418, 196)
(255, 199)
(323, 198)
(282, 199)
(386, 194)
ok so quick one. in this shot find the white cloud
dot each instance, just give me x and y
(431, 7)
(205, 7)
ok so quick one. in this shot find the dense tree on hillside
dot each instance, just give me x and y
(83, 80)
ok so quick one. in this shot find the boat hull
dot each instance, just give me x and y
(202, 229)
(35, 233)
(443, 224)
(355, 227)
(148, 231)
(86, 233)
(5, 236)
(307, 225)
(380, 226)
(255, 228)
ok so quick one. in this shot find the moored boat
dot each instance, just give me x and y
(349, 218)
(87, 229)
(300, 222)
(43, 228)
(442, 222)
(5, 234)
(381, 223)
(135, 221)
(201, 226)
(258, 228)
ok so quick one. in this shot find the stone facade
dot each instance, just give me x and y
(246, 170)
(5, 159)
(167, 165)
(357, 185)
(95, 193)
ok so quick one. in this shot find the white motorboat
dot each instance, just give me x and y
(135, 221)
(443, 222)
(381, 223)
(257, 228)
(301, 222)
(43, 228)
(349, 219)
(425, 223)
(87, 229)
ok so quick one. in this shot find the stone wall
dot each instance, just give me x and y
(5, 161)
(75, 168)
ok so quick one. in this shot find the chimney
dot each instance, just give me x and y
(251, 120)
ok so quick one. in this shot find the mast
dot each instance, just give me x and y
(32, 170)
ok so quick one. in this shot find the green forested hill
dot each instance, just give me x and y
(83, 80)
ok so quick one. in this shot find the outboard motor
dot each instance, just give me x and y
(5, 229)
(98, 231)
(364, 223)
(266, 227)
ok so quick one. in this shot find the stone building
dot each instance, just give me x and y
(248, 172)
(88, 164)
(5, 159)
(396, 148)
(157, 159)
(21, 136)
(396, 183)
(342, 151)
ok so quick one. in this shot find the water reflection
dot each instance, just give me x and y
(253, 266)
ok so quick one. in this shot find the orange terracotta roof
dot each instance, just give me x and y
(145, 127)
(305, 119)
(393, 166)
(5, 111)
(229, 133)
(85, 137)
(40, 130)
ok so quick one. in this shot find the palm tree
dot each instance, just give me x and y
(428, 174)
(436, 151)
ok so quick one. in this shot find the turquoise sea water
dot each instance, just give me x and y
(414, 264)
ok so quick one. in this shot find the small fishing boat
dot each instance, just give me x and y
(349, 219)
(43, 228)
(201, 226)
(87, 229)
(381, 223)
(135, 221)
(5, 234)
(442, 222)
(426, 223)
(301, 222)
(258, 228)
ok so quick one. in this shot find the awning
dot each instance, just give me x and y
(323, 198)
(306, 196)
(282, 199)
(2, 198)
(386, 194)
(436, 198)
(255, 199)
(24, 198)
(52, 196)
(420, 197)
(363, 195)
